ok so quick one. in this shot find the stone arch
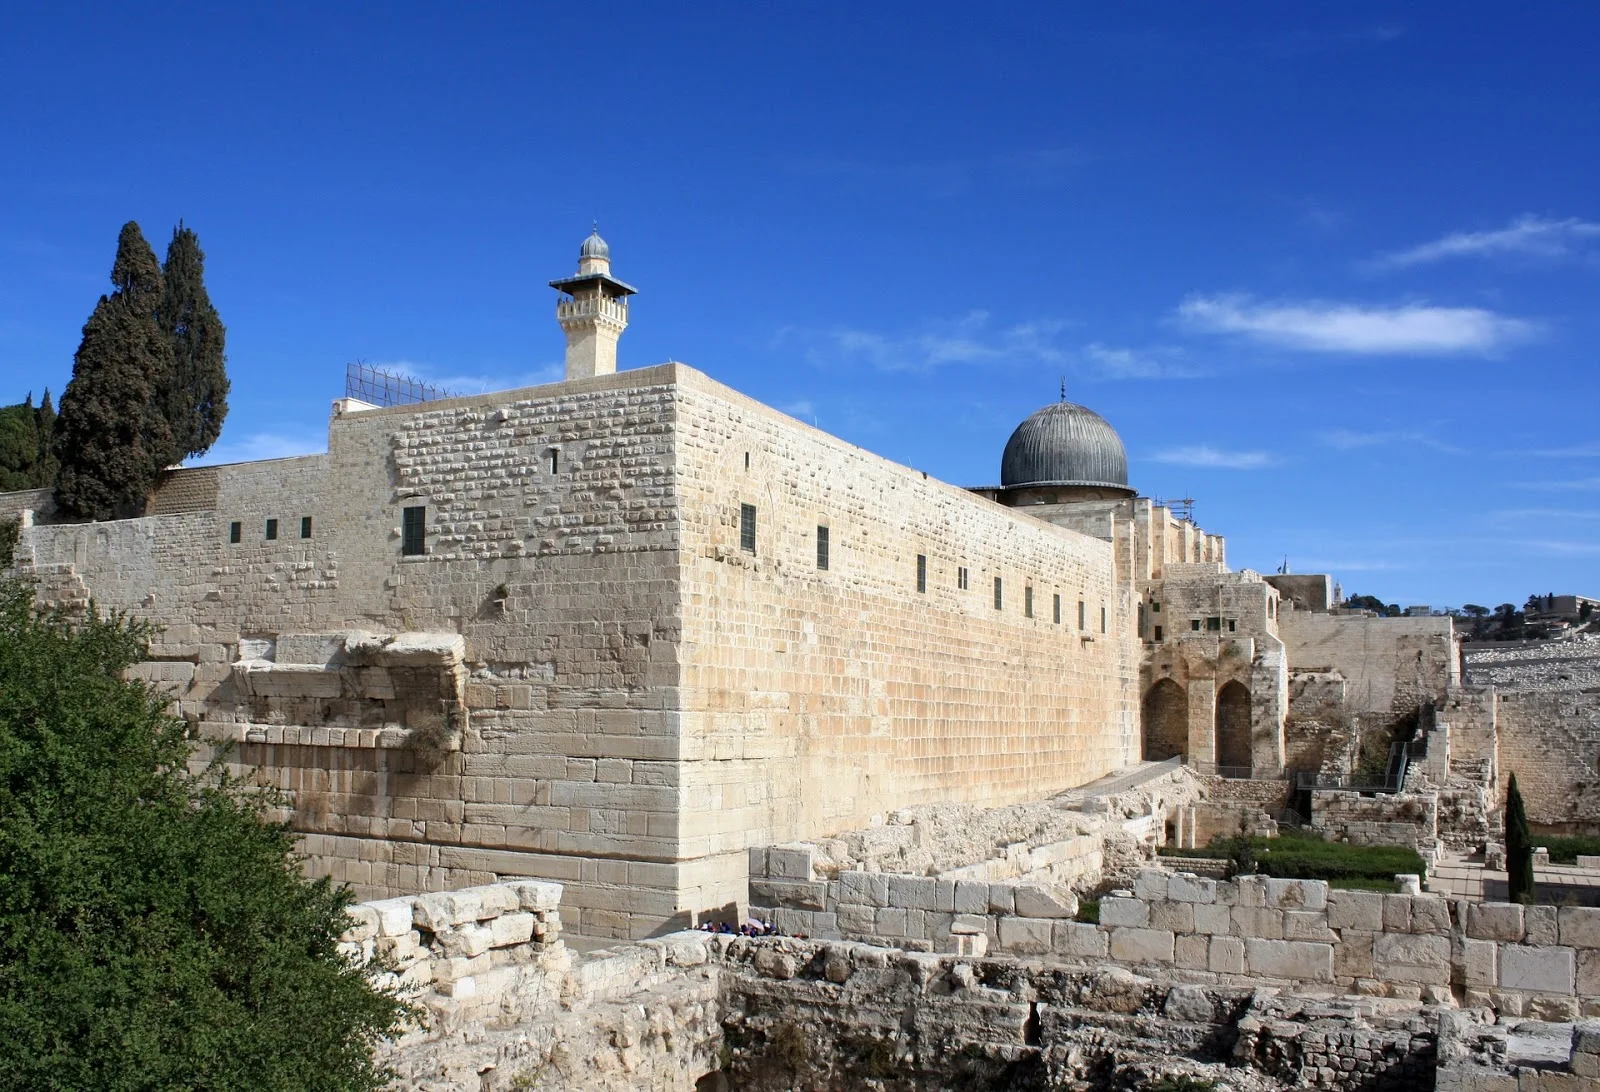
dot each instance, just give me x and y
(1165, 721)
(1233, 726)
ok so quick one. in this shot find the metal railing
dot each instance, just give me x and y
(382, 388)
(1236, 773)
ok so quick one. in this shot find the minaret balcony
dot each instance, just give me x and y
(592, 307)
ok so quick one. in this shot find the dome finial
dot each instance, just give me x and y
(1063, 387)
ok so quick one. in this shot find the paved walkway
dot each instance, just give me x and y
(1457, 876)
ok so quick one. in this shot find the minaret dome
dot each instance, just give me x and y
(592, 310)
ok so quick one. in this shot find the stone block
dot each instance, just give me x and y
(1124, 912)
(1261, 922)
(1430, 914)
(1190, 1005)
(1555, 1010)
(971, 897)
(1225, 955)
(1079, 939)
(1212, 918)
(1002, 898)
(1480, 963)
(1411, 959)
(789, 894)
(890, 921)
(363, 923)
(1538, 970)
(913, 892)
(1190, 951)
(1307, 925)
(508, 930)
(1290, 959)
(1177, 917)
(1588, 973)
(1151, 884)
(1187, 887)
(1397, 913)
(857, 919)
(1540, 925)
(1352, 956)
(467, 940)
(439, 911)
(1494, 921)
(1131, 945)
(863, 888)
(1035, 901)
(970, 944)
(944, 895)
(536, 894)
(1296, 894)
(1026, 936)
(1579, 926)
(1252, 891)
(758, 861)
(970, 923)
(1361, 910)
(792, 861)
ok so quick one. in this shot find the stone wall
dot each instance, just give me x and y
(1384, 819)
(1551, 741)
(1390, 665)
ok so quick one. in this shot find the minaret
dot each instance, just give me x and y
(593, 311)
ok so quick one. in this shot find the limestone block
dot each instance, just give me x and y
(536, 894)
(1132, 945)
(1297, 894)
(1002, 898)
(1035, 901)
(758, 861)
(1411, 959)
(1409, 883)
(1191, 951)
(1177, 917)
(971, 944)
(1151, 884)
(1495, 921)
(1225, 955)
(1252, 891)
(1355, 910)
(1307, 925)
(791, 861)
(1352, 956)
(1227, 893)
(1291, 959)
(1025, 936)
(467, 940)
(1397, 913)
(1187, 887)
(1430, 914)
(1540, 925)
(856, 919)
(890, 921)
(913, 892)
(1190, 1004)
(1079, 939)
(971, 897)
(1214, 918)
(1579, 926)
(1538, 970)
(1127, 912)
(363, 923)
(789, 894)
(1588, 973)
(970, 924)
(1554, 1010)
(944, 895)
(1479, 963)
(511, 929)
(439, 911)
(1258, 921)
(863, 888)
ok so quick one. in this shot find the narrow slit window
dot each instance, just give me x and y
(1027, 600)
(1158, 633)
(235, 531)
(1057, 610)
(272, 529)
(961, 578)
(554, 457)
(414, 531)
(305, 526)
(998, 600)
(822, 547)
(922, 572)
(1231, 625)
(1102, 619)
(1083, 615)
(747, 528)
(747, 460)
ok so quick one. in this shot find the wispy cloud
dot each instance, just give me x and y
(970, 340)
(1211, 458)
(1162, 362)
(1561, 548)
(1414, 329)
(1510, 515)
(1590, 450)
(1343, 439)
(1525, 237)
(262, 445)
(805, 409)
(481, 382)
(1569, 485)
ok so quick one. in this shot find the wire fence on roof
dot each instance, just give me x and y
(383, 388)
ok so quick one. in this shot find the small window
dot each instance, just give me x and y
(961, 578)
(1155, 608)
(822, 547)
(1194, 624)
(747, 528)
(1158, 633)
(235, 531)
(1102, 619)
(922, 572)
(1083, 615)
(554, 458)
(1027, 600)
(414, 531)
(747, 460)
(272, 529)
(1231, 625)
(1213, 624)
(305, 526)
(1058, 610)
(997, 597)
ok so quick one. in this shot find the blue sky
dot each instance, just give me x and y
(1329, 269)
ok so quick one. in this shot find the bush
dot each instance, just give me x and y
(1566, 850)
(155, 932)
(1089, 911)
(1296, 856)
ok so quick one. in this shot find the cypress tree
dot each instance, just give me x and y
(1519, 847)
(45, 467)
(197, 400)
(19, 445)
(111, 436)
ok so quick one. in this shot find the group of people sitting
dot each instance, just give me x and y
(751, 928)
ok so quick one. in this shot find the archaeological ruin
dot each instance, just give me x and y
(557, 677)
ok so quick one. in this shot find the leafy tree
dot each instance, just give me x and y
(1472, 610)
(155, 932)
(26, 461)
(112, 436)
(1519, 846)
(1369, 602)
(197, 400)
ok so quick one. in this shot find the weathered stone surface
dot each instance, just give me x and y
(971, 897)
(1258, 921)
(1495, 921)
(1034, 901)
(792, 861)
(1412, 959)
(1132, 945)
(1186, 887)
(1151, 884)
(1355, 910)
(1129, 912)
(867, 888)
(1306, 925)
(1296, 894)
(1080, 940)
(1538, 970)
(1430, 914)
(1352, 955)
(1212, 918)
(1540, 925)
(1026, 936)
(1177, 917)
(1225, 955)
(1480, 963)
(1296, 960)
(1191, 951)
(1579, 926)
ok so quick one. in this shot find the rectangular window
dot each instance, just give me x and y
(922, 572)
(1102, 619)
(1083, 615)
(305, 526)
(235, 531)
(747, 528)
(1158, 633)
(747, 460)
(414, 531)
(1214, 624)
(1058, 610)
(1027, 600)
(1194, 623)
(997, 599)
(1231, 625)
(961, 578)
(555, 459)
(822, 547)
(1155, 607)
(272, 529)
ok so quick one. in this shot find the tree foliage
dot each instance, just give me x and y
(155, 932)
(26, 458)
(1519, 846)
(197, 400)
(112, 436)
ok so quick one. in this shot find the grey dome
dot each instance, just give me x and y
(1064, 444)
(595, 247)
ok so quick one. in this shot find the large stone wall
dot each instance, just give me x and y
(1390, 665)
(1551, 741)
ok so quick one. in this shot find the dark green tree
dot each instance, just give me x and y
(19, 445)
(1519, 847)
(155, 932)
(46, 467)
(197, 400)
(112, 436)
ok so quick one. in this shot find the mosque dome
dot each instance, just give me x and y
(1065, 444)
(594, 247)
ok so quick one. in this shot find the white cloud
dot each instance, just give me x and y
(1568, 485)
(1110, 362)
(1205, 456)
(1561, 548)
(476, 382)
(1344, 439)
(1526, 236)
(969, 340)
(1543, 514)
(1317, 326)
(261, 445)
(1590, 450)
(805, 410)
